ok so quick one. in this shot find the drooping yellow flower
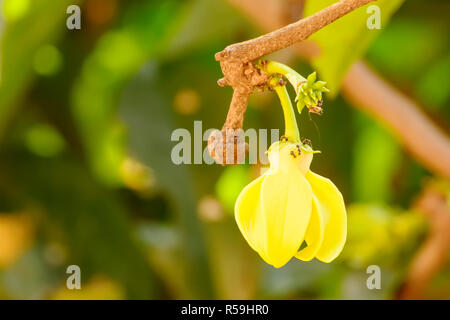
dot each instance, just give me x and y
(290, 204)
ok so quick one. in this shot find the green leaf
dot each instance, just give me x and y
(378, 234)
(40, 23)
(120, 53)
(150, 29)
(376, 159)
(434, 87)
(89, 220)
(232, 180)
(398, 55)
(345, 40)
(222, 21)
(146, 112)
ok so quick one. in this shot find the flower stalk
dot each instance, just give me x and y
(291, 128)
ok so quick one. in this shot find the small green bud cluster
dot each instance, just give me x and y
(309, 94)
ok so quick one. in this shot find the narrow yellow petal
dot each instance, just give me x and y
(249, 217)
(286, 199)
(314, 232)
(330, 198)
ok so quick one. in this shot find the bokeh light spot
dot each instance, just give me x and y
(186, 101)
(15, 235)
(45, 141)
(232, 180)
(136, 175)
(100, 12)
(210, 209)
(15, 9)
(47, 60)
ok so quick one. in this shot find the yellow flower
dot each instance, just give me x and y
(290, 204)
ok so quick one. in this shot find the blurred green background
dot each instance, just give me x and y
(86, 176)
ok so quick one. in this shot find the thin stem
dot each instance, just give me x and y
(291, 75)
(291, 129)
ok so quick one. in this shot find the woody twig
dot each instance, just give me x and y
(240, 73)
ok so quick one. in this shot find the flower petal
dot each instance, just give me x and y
(314, 232)
(286, 199)
(330, 198)
(249, 217)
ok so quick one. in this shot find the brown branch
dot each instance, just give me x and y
(284, 37)
(234, 120)
(240, 73)
(420, 136)
(433, 254)
(429, 145)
